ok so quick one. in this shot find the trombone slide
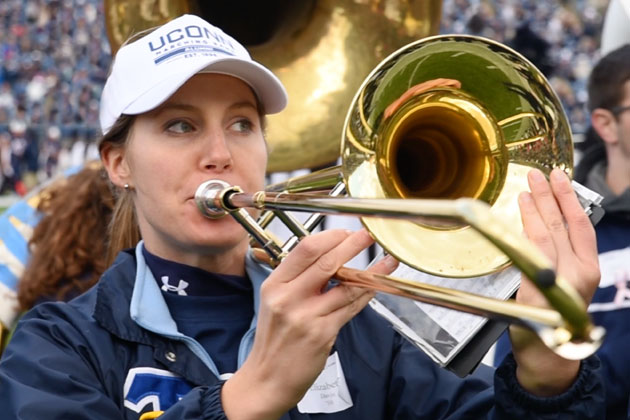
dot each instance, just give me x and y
(567, 330)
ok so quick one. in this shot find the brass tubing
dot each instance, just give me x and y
(567, 330)
(324, 179)
(523, 254)
(547, 324)
(451, 298)
(442, 296)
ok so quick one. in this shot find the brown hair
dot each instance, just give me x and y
(123, 228)
(68, 244)
(605, 85)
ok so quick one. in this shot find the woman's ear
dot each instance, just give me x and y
(115, 164)
(605, 124)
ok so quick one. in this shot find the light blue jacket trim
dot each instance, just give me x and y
(257, 273)
(148, 309)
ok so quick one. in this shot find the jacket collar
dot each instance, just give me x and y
(130, 305)
(113, 297)
(612, 203)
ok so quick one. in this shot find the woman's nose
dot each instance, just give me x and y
(217, 154)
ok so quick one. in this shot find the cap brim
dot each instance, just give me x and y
(265, 84)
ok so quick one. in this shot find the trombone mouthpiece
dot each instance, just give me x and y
(208, 198)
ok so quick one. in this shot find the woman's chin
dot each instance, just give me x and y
(221, 236)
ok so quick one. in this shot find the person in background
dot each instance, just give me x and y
(19, 144)
(8, 180)
(68, 246)
(605, 168)
(54, 242)
(188, 325)
(49, 157)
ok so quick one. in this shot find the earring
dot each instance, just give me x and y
(126, 187)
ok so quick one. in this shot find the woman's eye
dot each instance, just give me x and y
(243, 126)
(180, 127)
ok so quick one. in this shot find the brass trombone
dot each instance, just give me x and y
(435, 149)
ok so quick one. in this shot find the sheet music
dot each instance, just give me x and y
(455, 322)
(439, 331)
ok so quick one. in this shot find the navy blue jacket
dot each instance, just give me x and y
(89, 359)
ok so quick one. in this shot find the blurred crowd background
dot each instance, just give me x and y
(54, 58)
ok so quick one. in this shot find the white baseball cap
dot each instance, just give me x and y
(148, 71)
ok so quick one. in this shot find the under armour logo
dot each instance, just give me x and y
(180, 289)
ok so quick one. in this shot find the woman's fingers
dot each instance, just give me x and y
(344, 313)
(555, 221)
(553, 235)
(354, 298)
(306, 253)
(580, 230)
(341, 296)
(316, 276)
(385, 265)
(534, 226)
(301, 279)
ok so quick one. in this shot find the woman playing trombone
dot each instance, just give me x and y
(187, 325)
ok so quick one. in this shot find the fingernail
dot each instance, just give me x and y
(390, 262)
(558, 175)
(366, 235)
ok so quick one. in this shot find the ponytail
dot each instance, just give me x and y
(123, 230)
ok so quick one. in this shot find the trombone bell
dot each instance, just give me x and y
(441, 144)
(475, 138)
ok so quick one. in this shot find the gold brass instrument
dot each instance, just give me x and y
(435, 150)
(320, 49)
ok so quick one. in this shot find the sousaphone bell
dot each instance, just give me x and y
(320, 49)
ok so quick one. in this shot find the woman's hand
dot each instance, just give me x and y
(554, 220)
(298, 322)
